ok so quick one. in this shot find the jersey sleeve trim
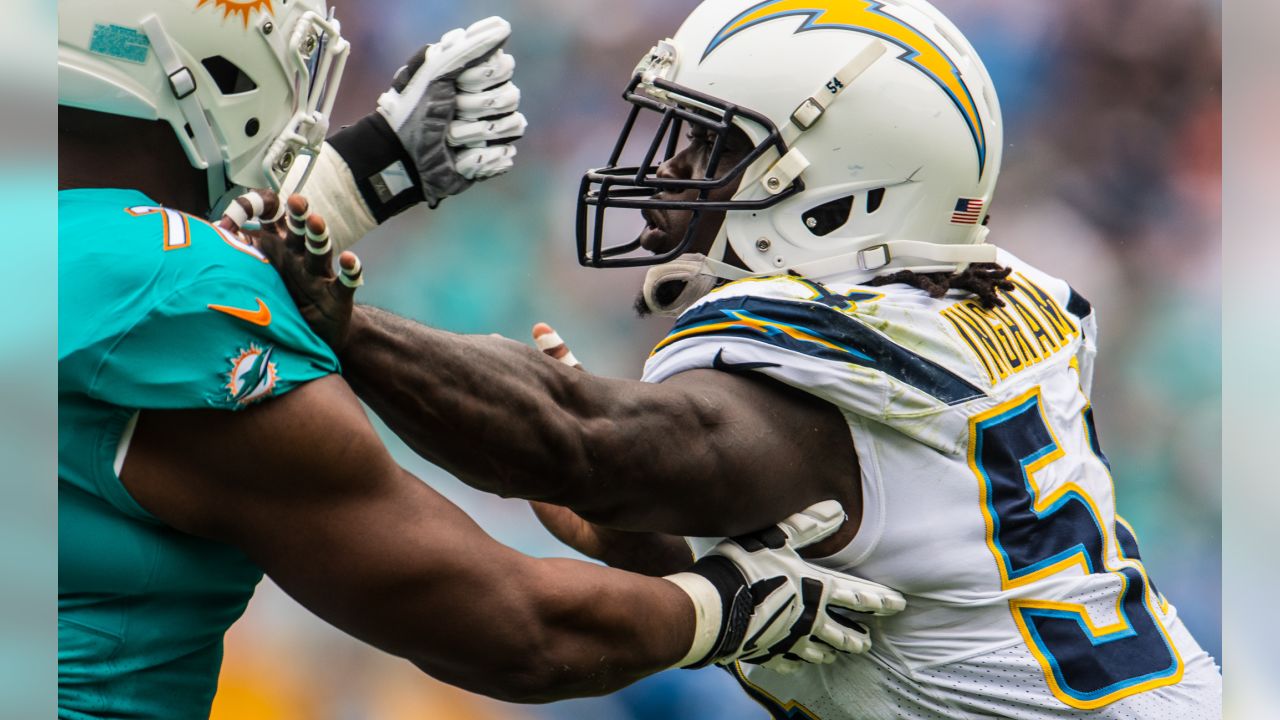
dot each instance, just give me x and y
(820, 332)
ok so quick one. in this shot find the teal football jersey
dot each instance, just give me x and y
(157, 310)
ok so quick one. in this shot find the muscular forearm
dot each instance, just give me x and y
(483, 408)
(627, 455)
(555, 629)
(603, 629)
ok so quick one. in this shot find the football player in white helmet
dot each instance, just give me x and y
(206, 437)
(841, 148)
(845, 330)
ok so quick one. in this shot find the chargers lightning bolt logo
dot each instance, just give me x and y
(867, 17)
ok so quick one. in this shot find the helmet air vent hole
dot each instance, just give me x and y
(874, 199)
(251, 128)
(228, 76)
(828, 217)
(668, 292)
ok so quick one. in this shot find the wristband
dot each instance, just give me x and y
(384, 172)
(707, 612)
(331, 192)
(722, 608)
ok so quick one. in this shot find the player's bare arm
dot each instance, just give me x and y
(622, 453)
(303, 486)
(627, 454)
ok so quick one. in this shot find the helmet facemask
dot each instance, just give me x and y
(637, 187)
(318, 54)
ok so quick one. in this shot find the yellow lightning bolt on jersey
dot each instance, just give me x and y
(747, 321)
(868, 17)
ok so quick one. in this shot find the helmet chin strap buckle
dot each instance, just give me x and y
(810, 111)
(672, 287)
(874, 257)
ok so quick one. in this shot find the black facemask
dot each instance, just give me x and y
(636, 187)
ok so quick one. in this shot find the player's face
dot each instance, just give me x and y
(666, 228)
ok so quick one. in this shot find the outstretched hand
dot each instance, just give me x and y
(297, 243)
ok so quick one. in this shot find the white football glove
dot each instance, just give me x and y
(756, 600)
(453, 106)
(447, 121)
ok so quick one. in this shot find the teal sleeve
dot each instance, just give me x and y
(225, 341)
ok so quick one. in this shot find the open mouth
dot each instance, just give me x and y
(654, 237)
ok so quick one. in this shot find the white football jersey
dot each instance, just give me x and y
(987, 501)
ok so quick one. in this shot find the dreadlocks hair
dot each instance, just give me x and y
(984, 280)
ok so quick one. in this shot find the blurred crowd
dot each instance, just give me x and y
(1111, 180)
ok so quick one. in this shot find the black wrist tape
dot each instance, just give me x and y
(385, 173)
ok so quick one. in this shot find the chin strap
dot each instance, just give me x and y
(879, 256)
(182, 83)
(807, 114)
(688, 278)
(699, 274)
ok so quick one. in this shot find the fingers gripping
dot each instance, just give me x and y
(489, 73)
(814, 524)
(841, 632)
(865, 596)
(478, 133)
(262, 206)
(550, 343)
(800, 611)
(502, 100)
(299, 210)
(350, 271)
(319, 247)
(443, 60)
(484, 163)
(461, 49)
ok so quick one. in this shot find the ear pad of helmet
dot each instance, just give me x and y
(670, 288)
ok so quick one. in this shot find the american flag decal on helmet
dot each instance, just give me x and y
(968, 211)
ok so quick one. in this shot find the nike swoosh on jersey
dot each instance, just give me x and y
(719, 364)
(260, 317)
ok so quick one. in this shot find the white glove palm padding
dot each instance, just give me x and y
(454, 108)
(778, 610)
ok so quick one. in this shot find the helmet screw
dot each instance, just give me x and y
(763, 244)
(774, 183)
(309, 45)
(268, 28)
(286, 161)
(811, 223)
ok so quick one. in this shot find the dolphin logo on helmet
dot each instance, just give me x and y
(240, 7)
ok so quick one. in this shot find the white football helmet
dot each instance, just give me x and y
(246, 84)
(876, 129)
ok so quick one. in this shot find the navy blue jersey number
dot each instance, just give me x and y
(1035, 534)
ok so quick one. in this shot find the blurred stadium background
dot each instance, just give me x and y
(1111, 180)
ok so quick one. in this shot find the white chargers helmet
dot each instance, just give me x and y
(876, 129)
(246, 84)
